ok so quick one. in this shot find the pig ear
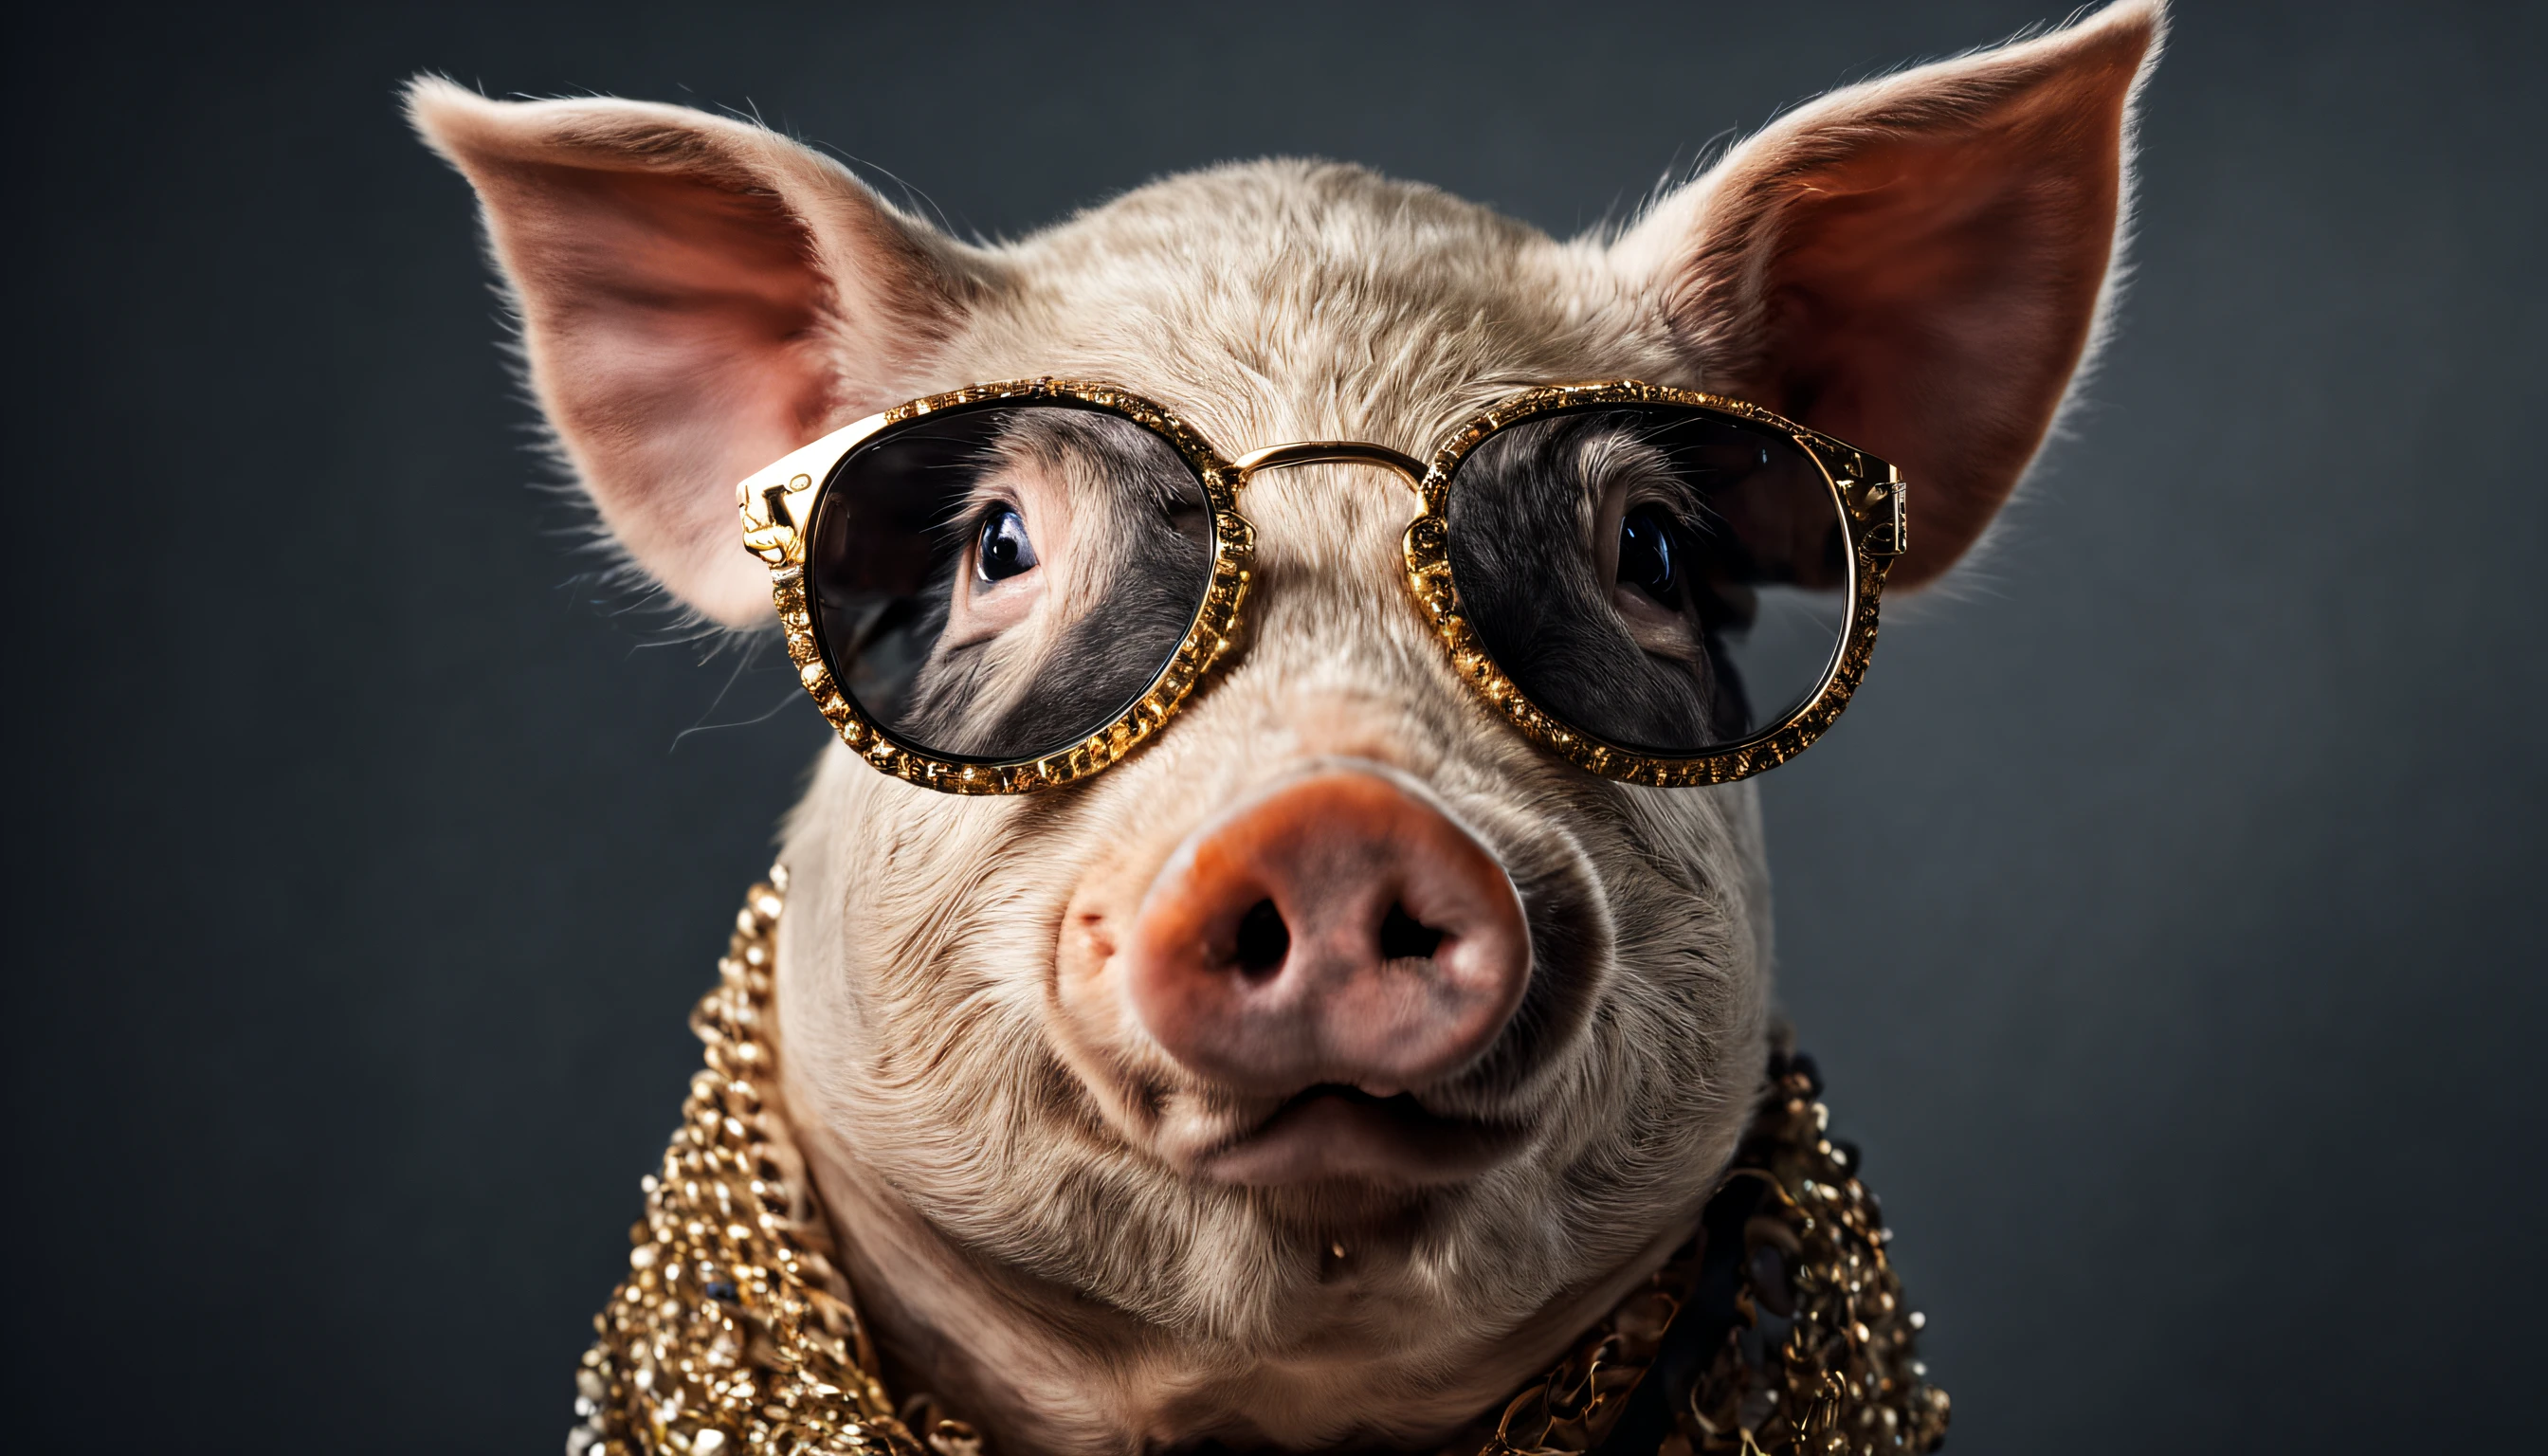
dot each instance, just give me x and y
(699, 297)
(1915, 264)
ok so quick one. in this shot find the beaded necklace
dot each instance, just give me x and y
(1778, 1327)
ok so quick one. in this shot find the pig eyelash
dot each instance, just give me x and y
(1612, 453)
(1605, 457)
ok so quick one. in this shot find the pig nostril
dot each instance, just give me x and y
(1263, 939)
(1339, 928)
(1404, 937)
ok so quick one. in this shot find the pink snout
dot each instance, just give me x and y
(1337, 930)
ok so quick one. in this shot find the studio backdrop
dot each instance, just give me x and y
(2164, 915)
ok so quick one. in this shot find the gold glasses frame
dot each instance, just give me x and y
(777, 505)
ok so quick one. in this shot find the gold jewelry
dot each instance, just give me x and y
(1777, 1328)
(779, 506)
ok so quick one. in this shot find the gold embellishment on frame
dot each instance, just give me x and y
(1868, 492)
(779, 504)
(771, 517)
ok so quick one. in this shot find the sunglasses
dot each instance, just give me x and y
(1013, 585)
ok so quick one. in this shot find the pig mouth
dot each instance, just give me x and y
(1337, 1134)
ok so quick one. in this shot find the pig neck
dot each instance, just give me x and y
(1047, 1371)
(733, 1330)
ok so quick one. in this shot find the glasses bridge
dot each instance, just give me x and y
(1330, 452)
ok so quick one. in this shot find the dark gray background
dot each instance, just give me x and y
(2164, 913)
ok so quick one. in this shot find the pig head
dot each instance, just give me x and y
(1315, 1074)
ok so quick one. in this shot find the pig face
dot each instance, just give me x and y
(1317, 1071)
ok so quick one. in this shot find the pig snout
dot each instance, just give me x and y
(1336, 932)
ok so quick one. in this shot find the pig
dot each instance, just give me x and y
(1086, 1194)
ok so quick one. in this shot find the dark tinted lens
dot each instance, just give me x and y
(1664, 579)
(1001, 582)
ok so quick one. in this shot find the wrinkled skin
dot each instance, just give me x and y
(1037, 1190)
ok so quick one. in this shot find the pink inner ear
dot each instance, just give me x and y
(1915, 265)
(673, 332)
(699, 297)
(1931, 302)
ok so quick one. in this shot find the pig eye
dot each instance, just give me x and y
(1647, 553)
(1001, 549)
(1723, 608)
(930, 569)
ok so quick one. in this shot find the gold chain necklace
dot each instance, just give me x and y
(1777, 1328)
